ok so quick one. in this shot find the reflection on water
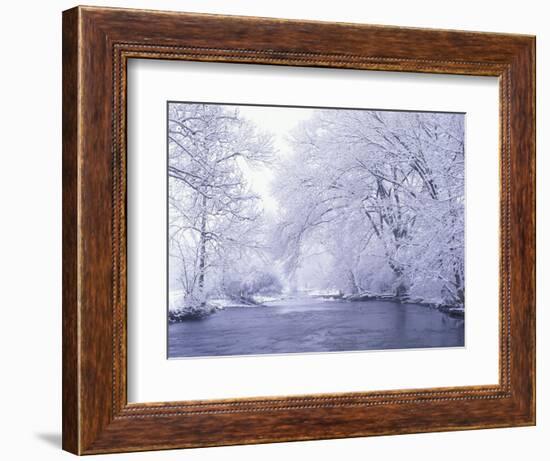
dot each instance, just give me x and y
(315, 325)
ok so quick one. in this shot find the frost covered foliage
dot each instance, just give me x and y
(367, 202)
(215, 220)
(252, 284)
(383, 194)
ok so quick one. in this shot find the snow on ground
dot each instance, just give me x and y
(323, 292)
(176, 301)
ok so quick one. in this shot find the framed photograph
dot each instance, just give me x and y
(281, 230)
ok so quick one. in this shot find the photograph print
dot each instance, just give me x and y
(313, 229)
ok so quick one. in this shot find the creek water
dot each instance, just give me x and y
(299, 325)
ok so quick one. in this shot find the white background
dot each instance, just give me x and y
(30, 247)
(153, 378)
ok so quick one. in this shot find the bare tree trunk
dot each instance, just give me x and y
(353, 282)
(202, 251)
(402, 289)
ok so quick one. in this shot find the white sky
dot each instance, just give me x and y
(279, 121)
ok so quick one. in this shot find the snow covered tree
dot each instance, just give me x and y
(383, 193)
(214, 216)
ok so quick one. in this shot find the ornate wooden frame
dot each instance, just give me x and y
(97, 43)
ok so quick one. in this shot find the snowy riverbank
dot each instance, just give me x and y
(452, 310)
(180, 312)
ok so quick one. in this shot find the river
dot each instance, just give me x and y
(314, 325)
